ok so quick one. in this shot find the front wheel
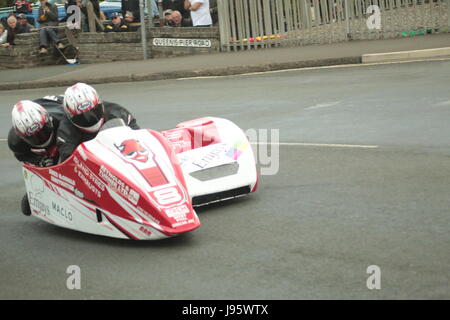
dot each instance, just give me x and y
(25, 206)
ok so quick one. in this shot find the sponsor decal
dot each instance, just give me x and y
(133, 150)
(88, 177)
(178, 213)
(118, 185)
(237, 149)
(62, 180)
(84, 106)
(145, 230)
(168, 197)
(33, 128)
(38, 205)
(148, 215)
(78, 193)
(182, 223)
(213, 155)
(133, 196)
(62, 212)
(25, 174)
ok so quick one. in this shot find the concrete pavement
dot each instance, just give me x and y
(214, 64)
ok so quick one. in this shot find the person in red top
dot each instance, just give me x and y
(22, 6)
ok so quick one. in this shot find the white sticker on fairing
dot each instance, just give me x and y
(206, 157)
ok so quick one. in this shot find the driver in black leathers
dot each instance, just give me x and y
(86, 114)
(39, 148)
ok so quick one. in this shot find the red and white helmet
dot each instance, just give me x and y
(83, 107)
(32, 123)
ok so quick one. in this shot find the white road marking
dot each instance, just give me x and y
(323, 105)
(315, 68)
(329, 145)
(443, 103)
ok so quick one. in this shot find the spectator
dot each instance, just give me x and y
(175, 19)
(13, 29)
(48, 18)
(133, 7)
(176, 5)
(25, 27)
(155, 10)
(3, 36)
(117, 24)
(129, 17)
(214, 11)
(201, 17)
(22, 6)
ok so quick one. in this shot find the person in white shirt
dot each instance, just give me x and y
(3, 36)
(200, 15)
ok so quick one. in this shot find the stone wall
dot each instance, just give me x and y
(108, 47)
(25, 53)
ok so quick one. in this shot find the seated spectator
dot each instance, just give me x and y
(133, 7)
(48, 18)
(175, 19)
(22, 6)
(129, 17)
(22, 20)
(117, 24)
(176, 5)
(131, 21)
(13, 29)
(3, 36)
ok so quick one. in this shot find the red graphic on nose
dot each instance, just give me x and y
(132, 149)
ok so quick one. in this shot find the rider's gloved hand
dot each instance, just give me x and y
(47, 162)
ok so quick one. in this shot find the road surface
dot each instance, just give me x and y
(363, 179)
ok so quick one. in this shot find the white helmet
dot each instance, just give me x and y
(83, 107)
(32, 123)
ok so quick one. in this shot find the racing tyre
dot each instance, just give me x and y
(26, 210)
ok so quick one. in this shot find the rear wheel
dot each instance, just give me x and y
(26, 210)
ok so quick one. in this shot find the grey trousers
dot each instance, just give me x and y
(46, 34)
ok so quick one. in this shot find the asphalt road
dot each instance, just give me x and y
(309, 232)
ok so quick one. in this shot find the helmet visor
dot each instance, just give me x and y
(40, 138)
(89, 118)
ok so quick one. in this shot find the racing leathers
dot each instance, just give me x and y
(69, 136)
(42, 157)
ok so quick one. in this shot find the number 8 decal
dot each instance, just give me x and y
(167, 196)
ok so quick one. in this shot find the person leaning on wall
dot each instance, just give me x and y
(13, 28)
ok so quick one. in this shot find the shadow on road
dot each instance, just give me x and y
(77, 236)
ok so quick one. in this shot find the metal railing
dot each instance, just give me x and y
(253, 24)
